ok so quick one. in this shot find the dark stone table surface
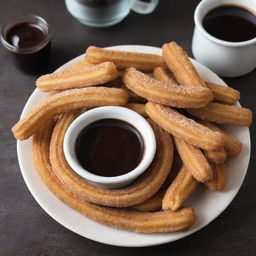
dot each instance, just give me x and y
(25, 229)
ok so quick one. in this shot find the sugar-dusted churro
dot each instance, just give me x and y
(194, 160)
(216, 156)
(134, 194)
(123, 59)
(220, 178)
(79, 65)
(166, 221)
(223, 114)
(224, 94)
(232, 146)
(139, 108)
(163, 93)
(66, 101)
(78, 78)
(180, 65)
(152, 204)
(180, 190)
(164, 75)
(184, 128)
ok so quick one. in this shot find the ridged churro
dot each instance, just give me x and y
(136, 193)
(164, 75)
(163, 93)
(66, 101)
(232, 146)
(194, 160)
(123, 59)
(216, 156)
(224, 94)
(220, 178)
(184, 128)
(166, 221)
(78, 78)
(139, 108)
(223, 114)
(180, 190)
(180, 65)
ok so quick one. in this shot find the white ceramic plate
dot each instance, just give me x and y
(207, 204)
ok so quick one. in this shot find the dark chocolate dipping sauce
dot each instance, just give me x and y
(230, 23)
(32, 53)
(109, 147)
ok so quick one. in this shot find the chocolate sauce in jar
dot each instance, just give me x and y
(230, 23)
(109, 147)
(29, 44)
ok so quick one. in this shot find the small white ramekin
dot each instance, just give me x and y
(113, 112)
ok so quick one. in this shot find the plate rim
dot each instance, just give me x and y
(53, 215)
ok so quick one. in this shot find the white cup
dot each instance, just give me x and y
(112, 112)
(228, 59)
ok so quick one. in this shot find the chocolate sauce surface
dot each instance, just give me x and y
(230, 23)
(109, 147)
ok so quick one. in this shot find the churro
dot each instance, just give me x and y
(136, 193)
(216, 156)
(78, 78)
(180, 65)
(164, 75)
(66, 101)
(232, 146)
(139, 108)
(123, 59)
(224, 94)
(223, 114)
(166, 221)
(180, 190)
(194, 160)
(163, 93)
(184, 128)
(220, 178)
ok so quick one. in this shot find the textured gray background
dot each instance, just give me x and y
(25, 229)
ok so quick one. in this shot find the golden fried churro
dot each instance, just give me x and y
(216, 156)
(224, 94)
(180, 190)
(163, 93)
(139, 108)
(124, 219)
(122, 59)
(77, 78)
(152, 204)
(64, 102)
(164, 75)
(232, 146)
(184, 128)
(223, 114)
(179, 63)
(194, 160)
(79, 65)
(136, 193)
(221, 93)
(220, 178)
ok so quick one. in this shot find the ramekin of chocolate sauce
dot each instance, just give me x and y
(109, 146)
(225, 36)
(28, 40)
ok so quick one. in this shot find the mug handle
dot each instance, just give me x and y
(143, 7)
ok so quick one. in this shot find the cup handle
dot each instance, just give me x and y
(143, 7)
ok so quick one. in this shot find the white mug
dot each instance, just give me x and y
(104, 13)
(228, 59)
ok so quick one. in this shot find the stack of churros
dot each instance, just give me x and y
(181, 107)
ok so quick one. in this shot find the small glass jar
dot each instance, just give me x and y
(27, 38)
